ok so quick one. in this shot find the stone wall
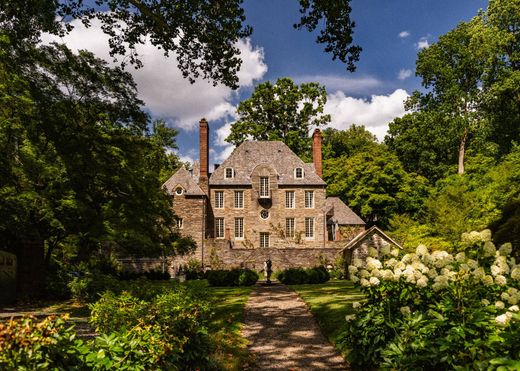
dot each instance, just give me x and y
(191, 210)
(361, 250)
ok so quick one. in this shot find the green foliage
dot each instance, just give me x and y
(349, 142)
(436, 310)
(298, 276)
(193, 270)
(233, 277)
(282, 111)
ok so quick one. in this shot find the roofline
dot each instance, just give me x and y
(360, 236)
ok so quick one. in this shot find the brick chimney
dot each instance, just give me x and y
(204, 154)
(316, 151)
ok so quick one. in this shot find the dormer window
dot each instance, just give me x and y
(229, 173)
(179, 191)
(298, 173)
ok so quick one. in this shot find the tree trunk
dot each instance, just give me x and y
(462, 150)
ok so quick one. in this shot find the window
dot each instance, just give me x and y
(229, 173)
(219, 227)
(179, 191)
(298, 173)
(309, 227)
(239, 227)
(239, 199)
(178, 223)
(264, 214)
(289, 199)
(219, 199)
(264, 239)
(309, 199)
(264, 186)
(289, 227)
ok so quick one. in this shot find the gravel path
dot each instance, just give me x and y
(283, 334)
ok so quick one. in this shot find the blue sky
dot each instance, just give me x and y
(391, 32)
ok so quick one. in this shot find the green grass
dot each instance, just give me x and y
(330, 302)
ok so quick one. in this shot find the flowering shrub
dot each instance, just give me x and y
(435, 310)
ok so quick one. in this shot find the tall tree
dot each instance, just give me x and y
(347, 142)
(202, 34)
(282, 111)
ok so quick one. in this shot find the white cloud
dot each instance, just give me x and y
(161, 85)
(374, 113)
(225, 148)
(333, 83)
(422, 43)
(404, 34)
(404, 74)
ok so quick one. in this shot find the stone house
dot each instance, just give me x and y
(357, 248)
(261, 202)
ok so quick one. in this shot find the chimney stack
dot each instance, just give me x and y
(203, 146)
(316, 151)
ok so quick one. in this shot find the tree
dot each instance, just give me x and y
(283, 111)
(202, 34)
(347, 142)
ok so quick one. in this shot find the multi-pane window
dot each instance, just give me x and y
(289, 227)
(229, 173)
(219, 227)
(219, 199)
(239, 199)
(264, 239)
(309, 199)
(309, 227)
(298, 173)
(178, 222)
(264, 186)
(289, 199)
(239, 227)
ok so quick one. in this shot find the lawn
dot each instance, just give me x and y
(330, 302)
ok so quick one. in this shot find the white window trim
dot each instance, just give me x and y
(177, 189)
(305, 200)
(223, 200)
(235, 231)
(313, 229)
(235, 199)
(303, 173)
(266, 189)
(268, 240)
(293, 228)
(268, 214)
(223, 229)
(226, 173)
(293, 199)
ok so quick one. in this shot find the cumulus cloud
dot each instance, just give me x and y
(160, 83)
(422, 43)
(404, 74)
(375, 113)
(404, 34)
(225, 148)
(353, 85)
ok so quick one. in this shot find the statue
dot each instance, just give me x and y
(268, 265)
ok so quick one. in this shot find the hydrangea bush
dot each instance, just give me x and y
(436, 310)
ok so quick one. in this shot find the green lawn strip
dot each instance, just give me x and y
(330, 302)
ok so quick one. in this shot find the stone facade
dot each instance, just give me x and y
(262, 202)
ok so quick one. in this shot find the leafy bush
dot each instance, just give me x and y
(89, 287)
(299, 276)
(434, 310)
(37, 345)
(233, 277)
(153, 275)
(193, 270)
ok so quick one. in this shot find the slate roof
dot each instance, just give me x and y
(366, 234)
(250, 154)
(341, 213)
(183, 178)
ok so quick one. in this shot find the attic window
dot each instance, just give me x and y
(229, 173)
(298, 173)
(179, 191)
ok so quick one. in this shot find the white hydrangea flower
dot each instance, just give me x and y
(373, 252)
(500, 280)
(479, 273)
(405, 310)
(350, 317)
(358, 263)
(514, 299)
(394, 253)
(363, 273)
(499, 305)
(485, 302)
(460, 257)
(422, 282)
(354, 279)
(515, 273)
(489, 249)
(505, 296)
(513, 308)
(432, 273)
(376, 273)
(387, 274)
(495, 270)
(421, 250)
(352, 269)
(356, 305)
(485, 235)
(400, 265)
(391, 262)
(502, 319)
(373, 263)
(398, 273)
(487, 280)
(364, 282)
(506, 249)
(473, 264)
(512, 291)
(374, 281)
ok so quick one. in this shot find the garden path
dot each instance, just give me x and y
(284, 335)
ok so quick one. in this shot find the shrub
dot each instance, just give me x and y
(435, 310)
(194, 270)
(37, 345)
(233, 277)
(89, 287)
(299, 276)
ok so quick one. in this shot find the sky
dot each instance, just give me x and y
(391, 32)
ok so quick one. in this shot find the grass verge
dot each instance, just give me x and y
(330, 302)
